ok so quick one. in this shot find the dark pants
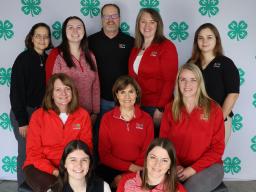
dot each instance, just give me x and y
(37, 180)
(206, 180)
(21, 145)
(151, 111)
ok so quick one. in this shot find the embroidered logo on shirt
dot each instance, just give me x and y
(121, 46)
(76, 126)
(203, 117)
(153, 53)
(216, 65)
(139, 126)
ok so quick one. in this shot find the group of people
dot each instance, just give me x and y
(85, 117)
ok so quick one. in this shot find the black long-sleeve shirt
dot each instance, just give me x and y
(27, 83)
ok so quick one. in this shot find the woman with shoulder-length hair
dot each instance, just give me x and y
(28, 86)
(74, 58)
(125, 133)
(194, 124)
(153, 63)
(59, 121)
(76, 171)
(159, 171)
(220, 73)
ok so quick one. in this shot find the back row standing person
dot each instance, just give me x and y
(153, 63)
(28, 86)
(74, 58)
(220, 73)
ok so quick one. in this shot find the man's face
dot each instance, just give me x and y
(110, 20)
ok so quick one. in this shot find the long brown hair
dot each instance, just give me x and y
(202, 99)
(196, 52)
(48, 102)
(159, 35)
(170, 181)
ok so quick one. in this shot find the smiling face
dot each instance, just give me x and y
(158, 164)
(188, 84)
(77, 164)
(206, 41)
(62, 95)
(41, 39)
(147, 26)
(75, 31)
(127, 97)
(110, 19)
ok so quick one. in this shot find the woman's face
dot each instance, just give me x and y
(127, 97)
(206, 41)
(158, 163)
(147, 26)
(77, 164)
(75, 31)
(188, 84)
(41, 39)
(62, 95)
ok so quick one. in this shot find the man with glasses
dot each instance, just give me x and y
(111, 48)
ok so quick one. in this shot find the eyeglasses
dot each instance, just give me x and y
(108, 17)
(41, 37)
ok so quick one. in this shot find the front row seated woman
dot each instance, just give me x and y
(194, 124)
(51, 128)
(76, 171)
(159, 171)
(125, 133)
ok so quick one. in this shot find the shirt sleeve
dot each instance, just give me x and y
(106, 156)
(169, 68)
(165, 127)
(231, 77)
(34, 149)
(214, 153)
(50, 63)
(86, 131)
(18, 91)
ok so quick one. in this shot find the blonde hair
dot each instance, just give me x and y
(202, 99)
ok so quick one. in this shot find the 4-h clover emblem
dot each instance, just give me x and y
(9, 164)
(125, 28)
(5, 122)
(237, 122)
(6, 29)
(209, 7)
(237, 30)
(179, 31)
(232, 165)
(31, 7)
(254, 100)
(150, 4)
(253, 146)
(90, 7)
(56, 32)
(5, 76)
(241, 74)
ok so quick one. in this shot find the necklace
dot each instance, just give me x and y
(127, 116)
(41, 60)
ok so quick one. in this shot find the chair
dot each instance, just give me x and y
(24, 188)
(221, 188)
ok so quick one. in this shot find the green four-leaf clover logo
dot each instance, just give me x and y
(150, 4)
(5, 76)
(90, 7)
(254, 100)
(5, 122)
(237, 122)
(56, 32)
(253, 146)
(31, 7)
(241, 74)
(125, 28)
(10, 164)
(237, 30)
(179, 31)
(6, 29)
(232, 165)
(208, 7)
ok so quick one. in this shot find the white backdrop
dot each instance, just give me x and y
(235, 19)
